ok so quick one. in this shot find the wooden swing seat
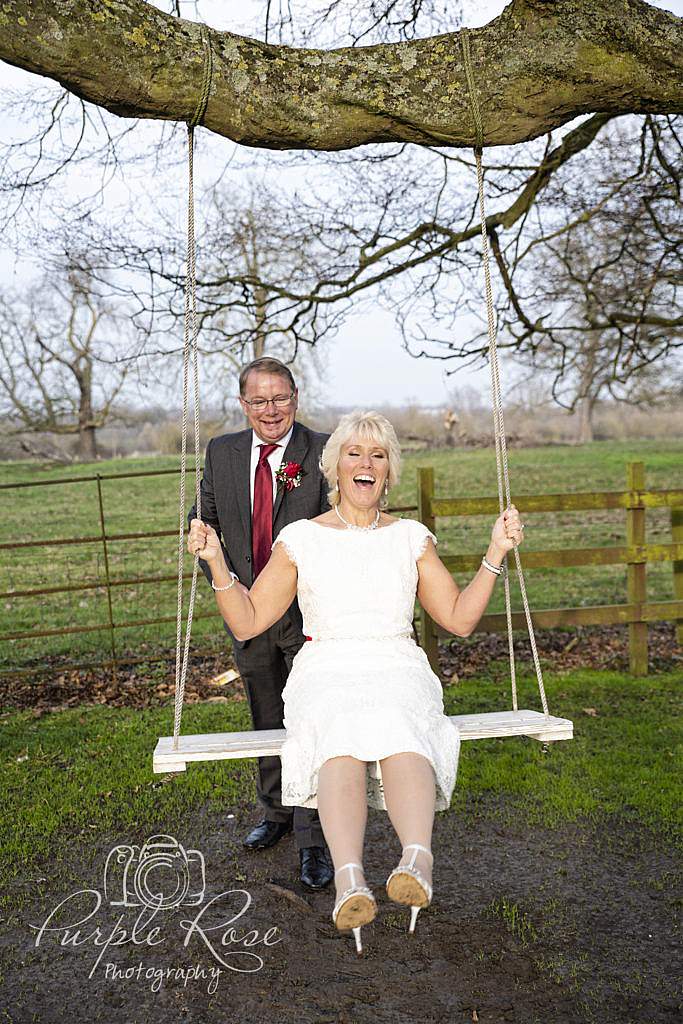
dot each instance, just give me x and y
(268, 742)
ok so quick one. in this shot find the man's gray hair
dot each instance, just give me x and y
(266, 364)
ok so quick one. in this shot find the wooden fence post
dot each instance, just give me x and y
(636, 572)
(677, 537)
(425, 492)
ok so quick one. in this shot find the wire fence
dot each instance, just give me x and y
(120, 638)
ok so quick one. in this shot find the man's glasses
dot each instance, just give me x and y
(280, 402)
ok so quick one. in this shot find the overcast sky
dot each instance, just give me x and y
(358, 373)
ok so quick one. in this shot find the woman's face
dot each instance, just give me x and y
(362, 471)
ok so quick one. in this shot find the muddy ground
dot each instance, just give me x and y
(595, 937)
(571, 924)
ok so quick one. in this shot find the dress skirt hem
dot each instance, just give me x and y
(300, 784)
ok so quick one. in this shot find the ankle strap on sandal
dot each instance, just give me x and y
(351, 864)
(418, 846)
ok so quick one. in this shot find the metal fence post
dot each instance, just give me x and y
(103, 532)
(425, 492)
(636, 572)
(677, 537)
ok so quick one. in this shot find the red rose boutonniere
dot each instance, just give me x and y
(289, 475)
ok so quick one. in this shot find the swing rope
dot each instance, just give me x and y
(499, 427)
(189, 350)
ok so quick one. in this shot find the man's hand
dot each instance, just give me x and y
(203, 541)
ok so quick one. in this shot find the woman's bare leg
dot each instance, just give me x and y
(343, 813)
(410, 796)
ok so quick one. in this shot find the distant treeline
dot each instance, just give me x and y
(158, 431)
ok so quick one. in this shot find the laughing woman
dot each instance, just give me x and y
(364, 713)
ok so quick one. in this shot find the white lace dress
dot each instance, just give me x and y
(361, 686)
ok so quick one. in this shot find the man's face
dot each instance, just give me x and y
(272, 421)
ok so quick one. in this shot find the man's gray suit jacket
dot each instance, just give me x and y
(226, 498)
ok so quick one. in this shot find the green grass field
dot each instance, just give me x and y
(90, 770)
(150, 503)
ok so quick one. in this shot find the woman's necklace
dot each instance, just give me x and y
(351, 526)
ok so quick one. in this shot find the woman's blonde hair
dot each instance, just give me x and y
(370, 426)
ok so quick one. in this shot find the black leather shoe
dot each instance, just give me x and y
(267, 833)
(316, 866)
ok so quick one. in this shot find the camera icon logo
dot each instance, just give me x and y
(160, 874)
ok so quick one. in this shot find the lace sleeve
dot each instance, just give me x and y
(420, 536)
(287, 537)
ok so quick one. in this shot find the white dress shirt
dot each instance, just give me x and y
(274, 459)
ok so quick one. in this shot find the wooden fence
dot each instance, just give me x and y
(636, 611)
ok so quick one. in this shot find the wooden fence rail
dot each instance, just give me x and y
(636, 612)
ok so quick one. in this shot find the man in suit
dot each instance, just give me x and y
(247, 507)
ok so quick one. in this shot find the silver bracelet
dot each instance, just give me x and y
(497, 569)
(235, 577)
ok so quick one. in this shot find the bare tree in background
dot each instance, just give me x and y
(252, 237)
(284, 273)
(56, 374)
(247, 236)
(402, 224)
(598, 254)
(357, 22)
(612, 269)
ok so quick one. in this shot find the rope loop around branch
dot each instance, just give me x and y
(474, 104)
(203, 100)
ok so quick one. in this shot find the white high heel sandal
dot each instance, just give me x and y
(407, 885)
(355, 907)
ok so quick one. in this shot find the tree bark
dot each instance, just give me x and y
(540, 64)
(585, 425)
(87, 443)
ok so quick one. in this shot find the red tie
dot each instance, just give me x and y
(262, 516)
